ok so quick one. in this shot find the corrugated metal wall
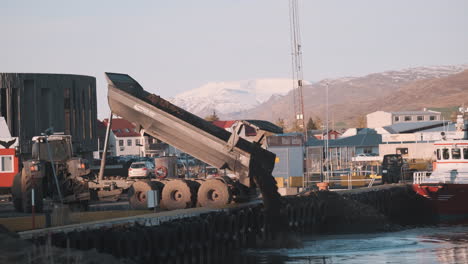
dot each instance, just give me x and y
(31, 103)
(290, 161)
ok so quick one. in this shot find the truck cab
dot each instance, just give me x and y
(394, 168)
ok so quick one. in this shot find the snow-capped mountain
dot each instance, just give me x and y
(240, 99)
(403, 75)
(352, 97)
(231, 97)
(422, 73)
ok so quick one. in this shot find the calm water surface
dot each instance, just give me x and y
(419, 245)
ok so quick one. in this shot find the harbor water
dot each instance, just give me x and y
(447, 244)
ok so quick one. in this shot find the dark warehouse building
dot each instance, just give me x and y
(34, 102)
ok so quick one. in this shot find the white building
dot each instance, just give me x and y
(381, 118)
(415, 142)
(124, 140)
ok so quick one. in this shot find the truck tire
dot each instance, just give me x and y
(177, 194)
(16, 193)
(137, 194)
(27, 184)
(214, 193)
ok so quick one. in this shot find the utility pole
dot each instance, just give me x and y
(296, 53)
(297, 74)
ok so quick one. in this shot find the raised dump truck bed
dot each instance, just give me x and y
(248, 160)
(178, 127)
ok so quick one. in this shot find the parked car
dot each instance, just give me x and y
(141, 169)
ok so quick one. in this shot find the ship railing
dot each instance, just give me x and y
(347, 179)
(420, 176)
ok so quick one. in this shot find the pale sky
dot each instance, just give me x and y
(173, 46)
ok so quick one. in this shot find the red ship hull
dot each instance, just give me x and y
(449, 201)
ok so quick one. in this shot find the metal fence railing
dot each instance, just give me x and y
(420, 176)
(346, 179)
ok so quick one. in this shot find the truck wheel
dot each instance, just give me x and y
(214, 193)
(28, 183)
(177, 194)
(137, 193)
(16, 193)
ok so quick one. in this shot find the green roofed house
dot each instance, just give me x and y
(341, 150)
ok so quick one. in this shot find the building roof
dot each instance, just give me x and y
(224, 124)
(322, 131)
(360, 140)
(447, 127)
(411, 127)
(289, 134)
(415, 112)
(315, 132)
(122, 128)
(100, 124)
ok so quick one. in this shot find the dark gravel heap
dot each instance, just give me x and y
(344, 215)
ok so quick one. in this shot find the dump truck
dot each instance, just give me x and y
(157, 117)
(54, 172)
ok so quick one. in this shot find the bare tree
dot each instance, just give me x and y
(212, 117)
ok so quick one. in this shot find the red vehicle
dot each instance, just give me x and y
(9, 165)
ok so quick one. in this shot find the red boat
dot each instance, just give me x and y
(446, 187)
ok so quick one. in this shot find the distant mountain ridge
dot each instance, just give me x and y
(231, 97)
(349, 97)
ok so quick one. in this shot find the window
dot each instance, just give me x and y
(432, 118)
(465, 153)
(397, 118)
(408, 118)
(456, 153)
(121, 143)
(420, 118)
(438, 154)
(137, 142)
(129, 142)
(445, 154)
(127, 130)
(367, 150)
(6, 163)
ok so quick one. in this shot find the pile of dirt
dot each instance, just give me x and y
(343, 215)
